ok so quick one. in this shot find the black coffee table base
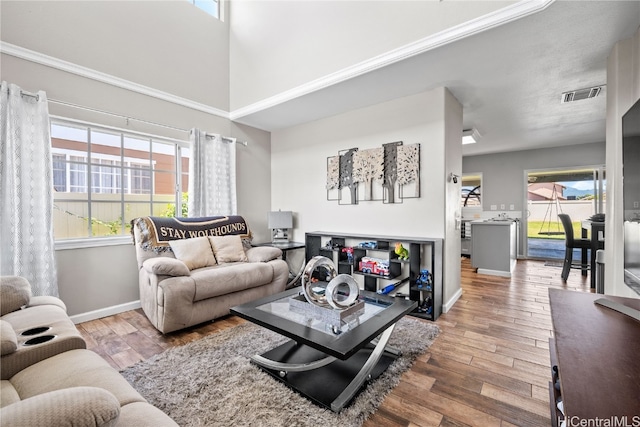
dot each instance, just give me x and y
(327, 381)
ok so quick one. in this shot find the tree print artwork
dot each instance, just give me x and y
(368, 165)
(333, 172)
(346, 174)
(409, 166)
(386, 168)
(390, 170)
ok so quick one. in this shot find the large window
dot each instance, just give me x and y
(103, 178)
(578, 192)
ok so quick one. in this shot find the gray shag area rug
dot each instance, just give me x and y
(211, 382)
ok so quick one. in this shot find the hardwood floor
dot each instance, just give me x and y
(488, 367)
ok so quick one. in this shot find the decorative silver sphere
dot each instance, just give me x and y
(317, 274)
(323, 286)
(335, 292)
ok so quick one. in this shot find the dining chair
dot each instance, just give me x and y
(572, 243)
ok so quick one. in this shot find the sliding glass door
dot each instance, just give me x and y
(578, 192)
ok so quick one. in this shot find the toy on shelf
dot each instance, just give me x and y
(390, 288)
(349, 252)
(423, 282)
(426, 306)
(331, 245)
(370, 265)
(368, 245)
(402, 252)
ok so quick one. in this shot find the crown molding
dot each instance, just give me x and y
(79, 70)
(500, 17)
(503, 16)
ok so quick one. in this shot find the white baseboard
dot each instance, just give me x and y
(494, 272)
(104, 312)
(447, 306)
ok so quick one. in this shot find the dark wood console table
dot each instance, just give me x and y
(597, 354)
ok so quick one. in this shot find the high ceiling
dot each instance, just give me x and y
(509, 79)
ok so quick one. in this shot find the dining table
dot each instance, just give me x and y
(594, 231)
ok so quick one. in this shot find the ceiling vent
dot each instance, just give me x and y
(577, 95)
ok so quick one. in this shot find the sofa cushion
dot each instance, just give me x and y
(142, 414)
(195, 252)
(8, 394)
(9, 341)
(228, 249)
(15, 291)
(229, 278)
(263, 253)
(73, 368)
(81, 406)
(166, 266)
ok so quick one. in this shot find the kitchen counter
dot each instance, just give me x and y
(494, 249)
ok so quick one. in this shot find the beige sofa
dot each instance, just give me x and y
(194, 270)
(32, 328)
(76, 387)
(55, 381)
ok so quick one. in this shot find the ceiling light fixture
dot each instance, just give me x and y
(470, 136)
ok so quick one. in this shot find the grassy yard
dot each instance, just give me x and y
(537, 226)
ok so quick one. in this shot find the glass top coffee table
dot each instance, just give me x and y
(324, 361)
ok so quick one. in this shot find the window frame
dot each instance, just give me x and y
(126, 164)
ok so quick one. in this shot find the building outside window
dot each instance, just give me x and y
(128, 174)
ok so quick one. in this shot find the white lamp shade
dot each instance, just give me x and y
(280, 219)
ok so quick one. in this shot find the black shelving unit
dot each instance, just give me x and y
(424, 253)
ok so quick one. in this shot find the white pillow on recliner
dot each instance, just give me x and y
(228, 248)
(195, 252)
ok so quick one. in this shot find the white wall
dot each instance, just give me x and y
(452, 210)
(167, 45)
(272, 53)
(153, 44)
(299, 166)
(623, 89)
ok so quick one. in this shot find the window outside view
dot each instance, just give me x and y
(578, 193)
(103, 179)
(471, 190)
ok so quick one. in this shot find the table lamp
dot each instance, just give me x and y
(280, 222)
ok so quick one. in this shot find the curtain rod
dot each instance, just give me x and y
(29, 94)
(32, 95)
(127, 118)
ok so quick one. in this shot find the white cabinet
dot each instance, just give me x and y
(494, 247)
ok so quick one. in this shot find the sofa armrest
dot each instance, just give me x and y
(83, 406)
(166, 267)
(15, 293)
(263, 253)
(8, 337)
(47, 300)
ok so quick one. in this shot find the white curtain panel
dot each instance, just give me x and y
(26, 190)
(212, 175)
